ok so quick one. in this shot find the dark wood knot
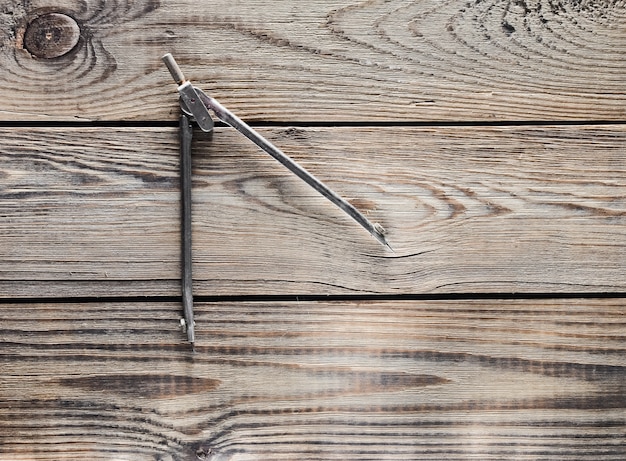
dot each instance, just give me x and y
(51, 35)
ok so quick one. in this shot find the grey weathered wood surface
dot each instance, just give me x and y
(526, 209)
(516, 379)
(473, 211)
(325, 60)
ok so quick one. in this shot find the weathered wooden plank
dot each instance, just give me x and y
(466, 209)
(84, 205)
(534, 379)
(319, 60)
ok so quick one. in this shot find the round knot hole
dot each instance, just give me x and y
(51, 35)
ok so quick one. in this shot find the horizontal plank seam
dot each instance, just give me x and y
(312, 124)
(318, 298)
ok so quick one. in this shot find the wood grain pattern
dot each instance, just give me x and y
(96, 211)
(534, 379)
(325, 60)
(469, 209)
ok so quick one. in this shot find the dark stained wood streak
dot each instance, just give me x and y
(143, 385)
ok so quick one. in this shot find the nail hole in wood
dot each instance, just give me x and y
(51, 35)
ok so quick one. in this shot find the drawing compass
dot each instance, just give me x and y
(195, 105)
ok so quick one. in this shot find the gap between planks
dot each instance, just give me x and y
(284, 298)
(312, 124)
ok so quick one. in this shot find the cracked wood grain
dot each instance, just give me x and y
(318, 380)
(529, 209)
(324, 60)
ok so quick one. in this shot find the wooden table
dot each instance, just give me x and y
(487, 137)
